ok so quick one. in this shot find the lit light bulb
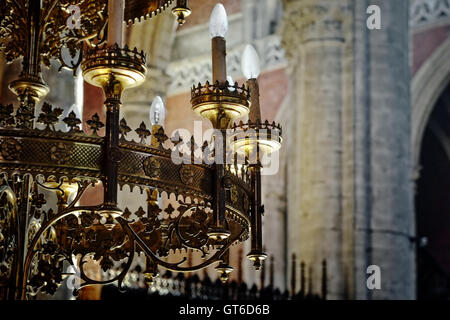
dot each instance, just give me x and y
(250, 63)
(157, 112)
(230, 83)
(218, 23)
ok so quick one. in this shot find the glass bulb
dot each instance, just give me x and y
(218, 23)
(250, 63)
(230, 83)
(157, 112)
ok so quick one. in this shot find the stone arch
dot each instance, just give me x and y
(427, 85)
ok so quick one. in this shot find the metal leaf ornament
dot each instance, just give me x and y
(124, 129)
(72, 122)
(49, 116)
(143, 132)
(95, 124)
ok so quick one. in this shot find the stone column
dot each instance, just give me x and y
(314, 36)
(384, 210)
(350, 191)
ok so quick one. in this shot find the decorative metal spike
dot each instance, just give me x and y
(124, 129)
(95, 124)
(160, 136)
(143, 132)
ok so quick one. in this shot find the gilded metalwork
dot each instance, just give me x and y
(128, 67)
(11, 149)
(216, 204)
(60, 153)
(187, 174)
(252, 137)
(246, 203)
(220, 103)
(234, 194)
(72, 122)
(95, 124)
(181, 11)
(138, 9)
(152, 167)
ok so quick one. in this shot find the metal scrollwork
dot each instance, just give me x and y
(8, 236)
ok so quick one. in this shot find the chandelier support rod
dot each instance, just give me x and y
(113, 91)
(219, 232)
(32, 244)
(175, 266)
(256, 254)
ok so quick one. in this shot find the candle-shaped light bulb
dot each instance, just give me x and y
(250, 63)
(218, 23)
(115, 22)
(157, 112)
(218, 26)
(230, 83)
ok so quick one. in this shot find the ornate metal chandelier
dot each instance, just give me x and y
(219, 204)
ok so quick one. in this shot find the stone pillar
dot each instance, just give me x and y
(314, 36)
(350, 194)
(384, 209)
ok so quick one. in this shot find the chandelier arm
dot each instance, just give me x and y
(57, 188)
(91, 35)
(133, 235)
(111, 156)
(102, 32)
(180, 237)
(81, 189)
(64, 213)
(119, 278)
(31, 252)
(175, 266)
(73, 66)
